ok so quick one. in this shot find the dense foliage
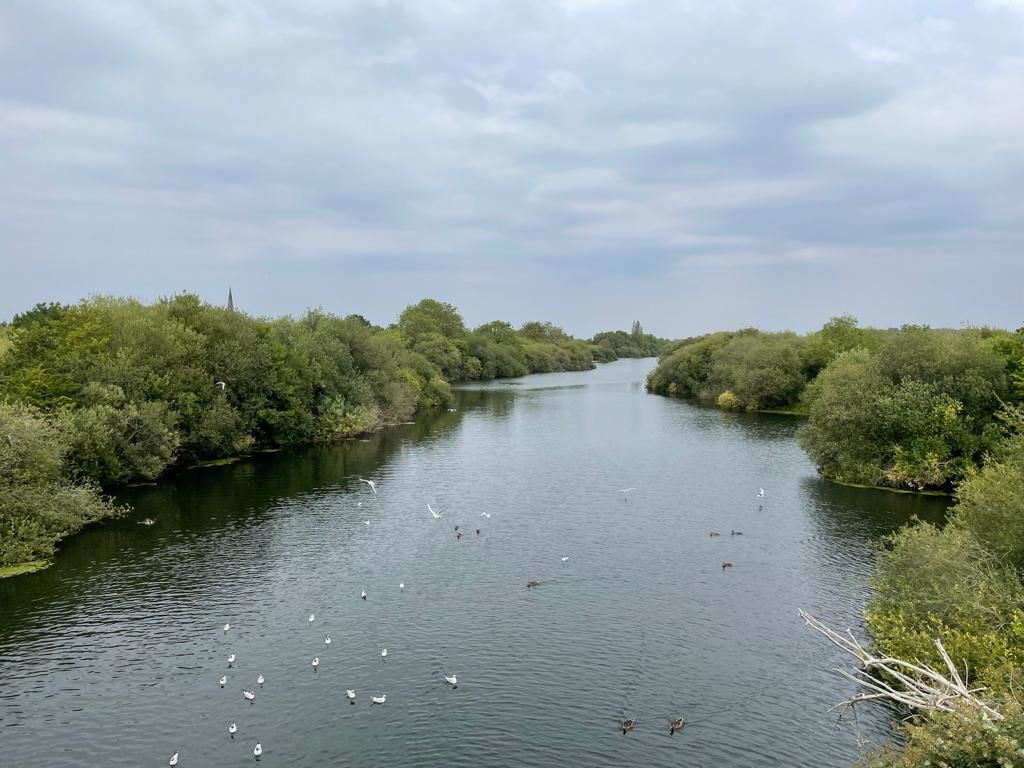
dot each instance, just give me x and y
(612, 345)
(913, 408)
(963, 584)
(122, 390)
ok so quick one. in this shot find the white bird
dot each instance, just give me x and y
(227, 627)
(248, 695)
(379, 699)
(222, 384)
(453, 680)
(316, 662)
(327, 640)
(384, 653)
(258, 750)
(401, 585)
(223, 680)
(231, 659)
(232, 729)
(760, 493)
(366, 522)
(373, 486)
(626, 490)
(312, 618)
(260, 680)
(174, 759)
(565, 558)
(435, 514)
(486, 514)
(351, 695)
(451, 410)
(363, 594)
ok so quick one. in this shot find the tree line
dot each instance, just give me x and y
(111, 391)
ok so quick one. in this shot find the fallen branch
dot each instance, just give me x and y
(913, 685)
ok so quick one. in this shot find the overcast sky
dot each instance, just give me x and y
(694, 165)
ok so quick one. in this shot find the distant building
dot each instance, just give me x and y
(231, 301)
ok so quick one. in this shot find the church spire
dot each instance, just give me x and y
(231, 301)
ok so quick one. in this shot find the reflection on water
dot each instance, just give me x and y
(112, 656)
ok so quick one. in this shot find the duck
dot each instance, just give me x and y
(260, 680)
(532, 584)
(249, 695)
(174, 759)
(257, 750)
(674, 726)
(316, 662)
(458, 535)
(726, 565)
(735, 533)
(351, 695)
(477, 531)
(223, 680)
(714, 533)
(232, 729)
(379, 699)
(628, 725)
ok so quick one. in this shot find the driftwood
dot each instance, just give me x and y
(913, 685)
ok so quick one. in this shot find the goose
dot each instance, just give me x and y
(223, 680)
(327, 640)
(373, 486)
(674, 726)
(257, 750)
(452, 680)
(384, 653)
(316, 662)
(231, 659)
(226, 628)
(435, 514)
(260, 680)
(532, 584)
(486, 514)
(565, 558)
(735, 533)
(628, 725)
(351, 695)
(760, 493)
(726, 565)
(379, 699)
(363, 594)
(232, 729)
(312, 618)
(249, 695)
(174, 759)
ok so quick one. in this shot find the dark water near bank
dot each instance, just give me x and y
(112, 656)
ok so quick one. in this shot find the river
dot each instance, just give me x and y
(112, 657)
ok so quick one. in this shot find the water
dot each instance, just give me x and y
(112, 656)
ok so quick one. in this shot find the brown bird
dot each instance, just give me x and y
(675, 726)
(726, 565)
(627, 725)
(531, 584)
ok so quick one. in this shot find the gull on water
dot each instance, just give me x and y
(232, 729)
(373, 485)
(227, 627)
(174, 759)
(363, 594)
(257, 750)
(223, 680)
(435, 514)
(367, 522)
(327, 640)
(316, 662)
(451, 680)
(260, 680)
(249, 695)
(312, 618)
(384, 653)
(760, 493)
(379, 699)
(351, 695)
(231, 659)
(401, 585)
(565, 558)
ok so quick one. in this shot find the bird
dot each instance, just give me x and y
(260, 680)
(147, 521)
(531, 584)
(327, 640)
(379, 699)
(477, 531)
(373, 485)
(726, 565)
(232, 729)
(384, 653)
(565, 558)
(451, 410)
(458, 535)
(625, 491)
(223, 680)
(452, 680)
(226, 628)
(257, 750)
(231, 659)
(714, 533)
(222, 384)
(316, 662)
(486, 514)
(312, 618)
(674, 726)
(760, 493)
(401, 585)
(351, 695)
(366, 522)
(435, 514)
(363, 594)
(735, 533)
(456, 529)
(174, 759)
(628, 725)
(248, 695)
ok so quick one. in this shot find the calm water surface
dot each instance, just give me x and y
(112, 656)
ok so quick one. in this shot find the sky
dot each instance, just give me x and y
(694, 165)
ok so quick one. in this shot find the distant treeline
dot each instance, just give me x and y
(911, 408)
(112, 391)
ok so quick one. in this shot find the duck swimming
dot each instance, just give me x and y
(674, 726)
(628, 725)
(532, 584)
(726, 565)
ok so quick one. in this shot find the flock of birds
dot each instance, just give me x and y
(452, 679)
